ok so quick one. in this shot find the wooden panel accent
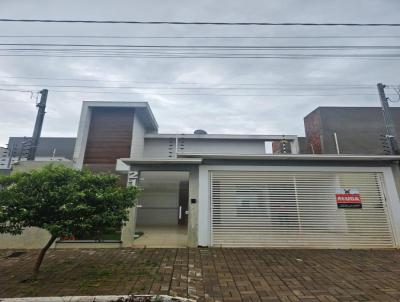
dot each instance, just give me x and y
(109, 137)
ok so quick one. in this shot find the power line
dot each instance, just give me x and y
(200, 23)
(202, 94)
(210, 94)
(219, 87)
(279, 85)
(380, 57)
(193, 55)
(185, 93)
(192, 51)
(204, 37)
(17, 90)
(330, 47)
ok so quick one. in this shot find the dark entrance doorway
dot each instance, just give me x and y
(183, 203)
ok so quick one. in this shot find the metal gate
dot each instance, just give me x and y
(297, 209)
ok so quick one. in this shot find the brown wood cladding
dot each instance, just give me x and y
(110, 135)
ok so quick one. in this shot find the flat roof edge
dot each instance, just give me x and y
(164, 161)
(222, 136)
(303, 157)
(140, 105)
(114, 104)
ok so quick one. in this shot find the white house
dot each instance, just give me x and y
(225, 190)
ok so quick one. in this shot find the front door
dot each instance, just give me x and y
(183, 203)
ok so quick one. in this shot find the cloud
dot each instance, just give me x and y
(272, 112)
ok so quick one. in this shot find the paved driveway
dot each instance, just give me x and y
(210, 274)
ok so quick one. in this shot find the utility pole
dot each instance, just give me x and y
(391, 135)
(38, 124)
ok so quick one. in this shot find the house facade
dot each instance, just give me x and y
(222, 190)
(226, 190)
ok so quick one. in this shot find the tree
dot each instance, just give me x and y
(65, 202)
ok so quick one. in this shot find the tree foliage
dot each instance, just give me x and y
(64, 201)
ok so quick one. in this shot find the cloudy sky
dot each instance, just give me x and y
(220, 95)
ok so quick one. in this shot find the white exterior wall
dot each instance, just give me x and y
(165, 147)
(81, 139)
(138, 132)
(31, 238)
(204, 212)
(222, 146)
(159, 148)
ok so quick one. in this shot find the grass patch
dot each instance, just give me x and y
(99, 274)
(150, 263)
(94, 277)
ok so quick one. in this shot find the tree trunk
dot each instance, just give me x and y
(41, 256)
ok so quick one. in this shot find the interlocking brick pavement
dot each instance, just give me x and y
(213, 274)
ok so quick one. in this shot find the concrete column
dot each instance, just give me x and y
(128, 230)
(81, 140)
(396, 174)
(193, 220)
(294, 146)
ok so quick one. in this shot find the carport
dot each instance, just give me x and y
(291, 201)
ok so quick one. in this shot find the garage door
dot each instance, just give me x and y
(297, 209)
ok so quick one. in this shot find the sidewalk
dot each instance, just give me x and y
(209, 274)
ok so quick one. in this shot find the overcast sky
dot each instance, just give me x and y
(267, 113)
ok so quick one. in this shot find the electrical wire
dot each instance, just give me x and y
(190, 93)
(193, 51)
(277, 85)
(204, 37)
(220, 87)
(369, 57)
(210, 94)
(17, 90)
(199, 23)
(137, 55)
(313, 47)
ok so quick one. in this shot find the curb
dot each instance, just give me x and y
(160, 298)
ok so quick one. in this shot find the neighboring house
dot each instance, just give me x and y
(3, 158)
(359, 130)
(4, 161)
(48, 147)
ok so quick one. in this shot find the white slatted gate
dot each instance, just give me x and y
(297, 209)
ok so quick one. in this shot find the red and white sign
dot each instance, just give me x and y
(348, 198)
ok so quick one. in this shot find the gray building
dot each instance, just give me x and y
(3, 158)
(49, 147)
(359, 130)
